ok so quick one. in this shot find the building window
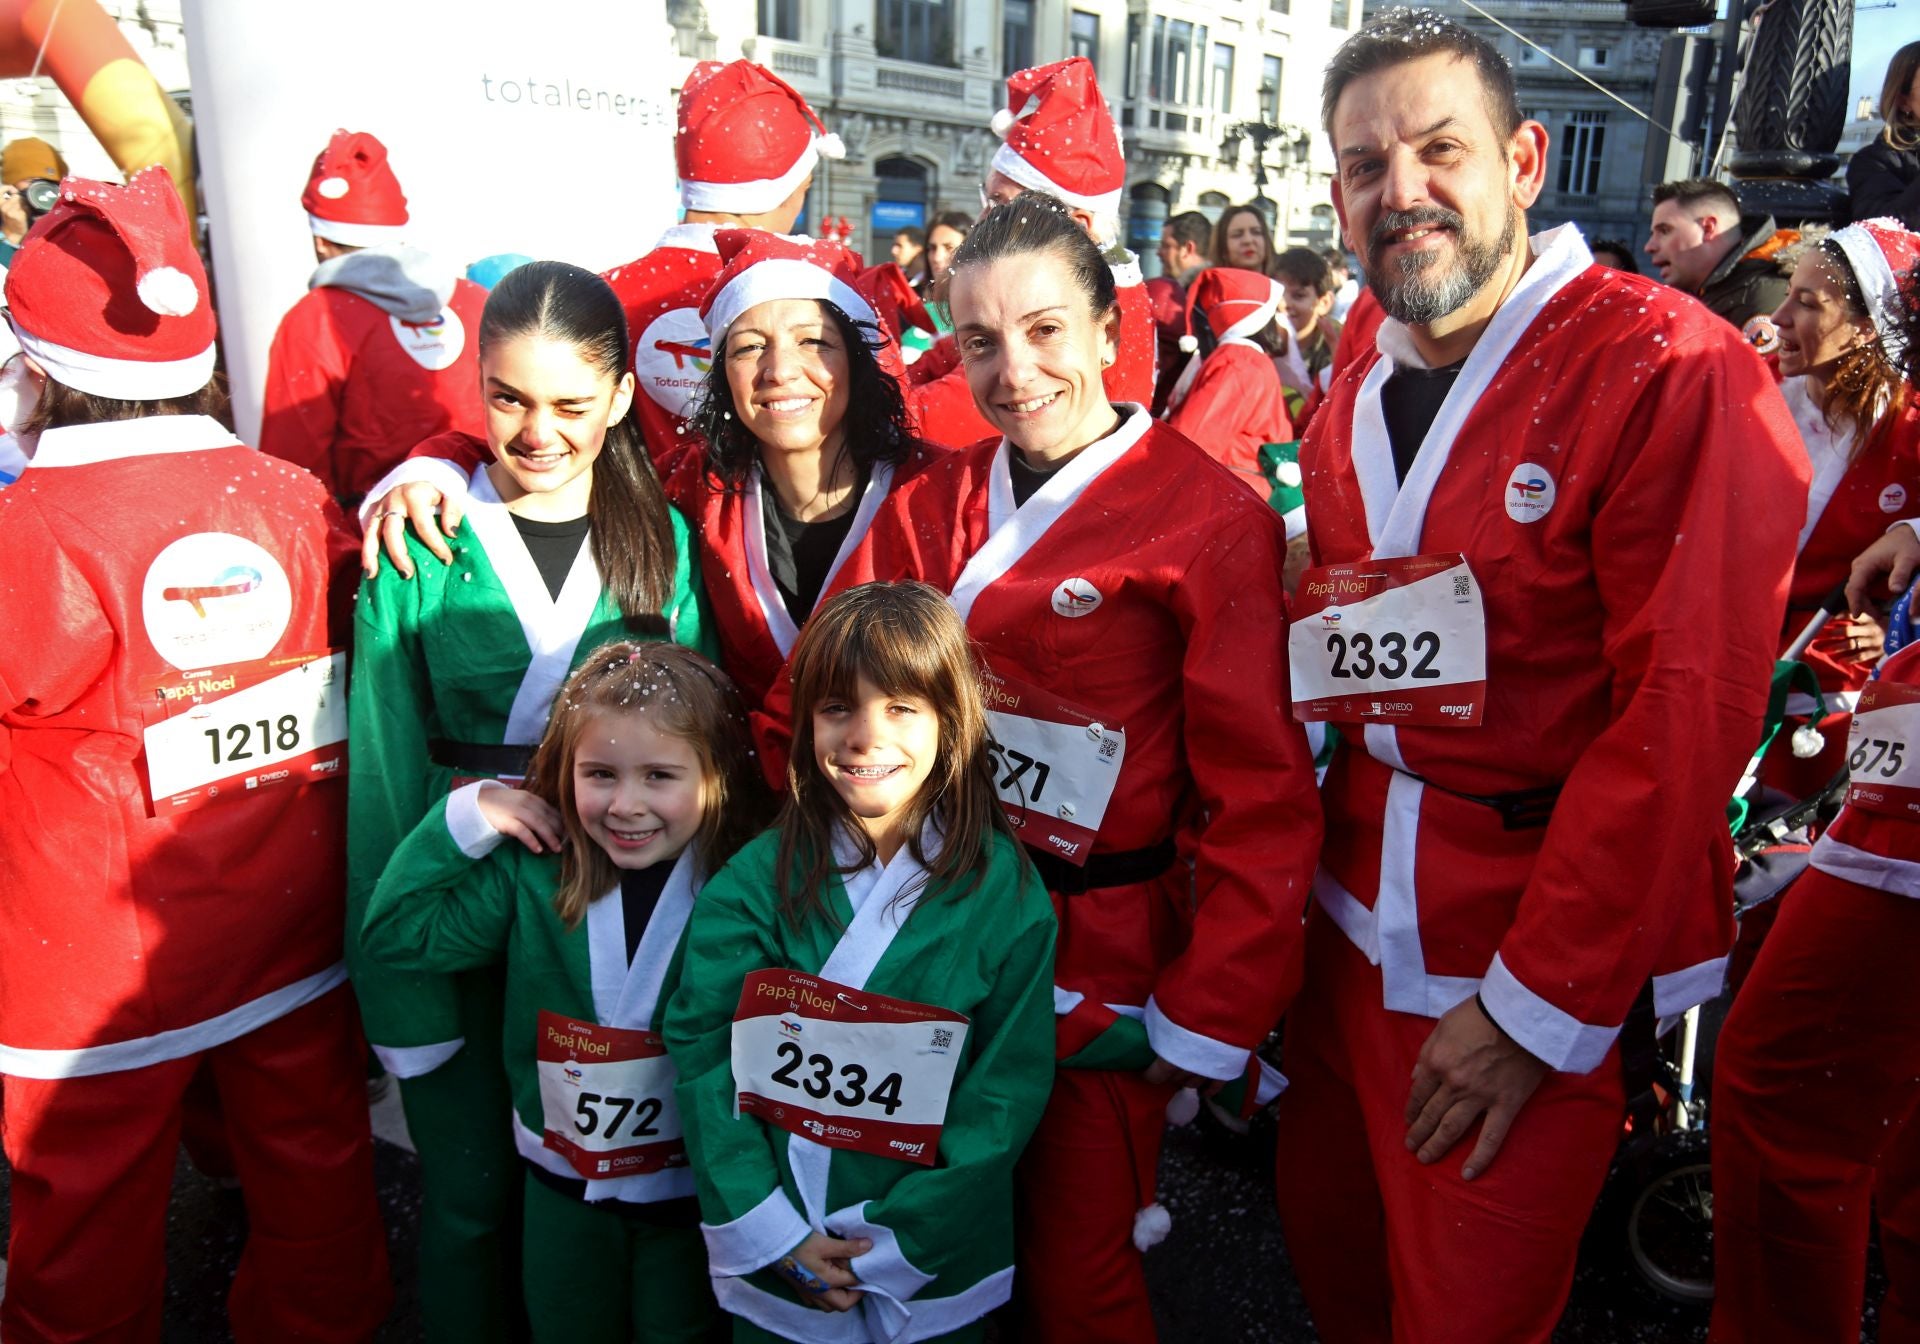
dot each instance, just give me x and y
(1594, 58)
(1341, 14)
(1270, 88)
(1533, 56)
(1177, 67)
(1222, 77)
(1157, 59)
(916, 30)
(1083, 39)
(1280, 6)
(1581, 146)
(1016, 36)
(1179, 61)
(780, 19)
(1132, 85)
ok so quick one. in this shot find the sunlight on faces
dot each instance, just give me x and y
(1305, 306)
(788, 369)
(1816, 326)
(1427, 188)
(877, 750)
(1034, 352)
(1678, 242)
(548, 410)
(1247, 245)
(638, 791)
(942, 243)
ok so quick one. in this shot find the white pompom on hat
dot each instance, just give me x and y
(352, 196)
(107, 293)
(1060, 137)
(746, 139)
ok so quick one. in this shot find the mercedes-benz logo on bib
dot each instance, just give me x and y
(1076, 597)
(1529, 493)
(1893, 498)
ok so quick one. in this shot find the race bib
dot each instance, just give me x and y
(843, 1067)
(1054, 766)
(231, 731)
(1883, 757)
(1390, 641)
(606, 1098)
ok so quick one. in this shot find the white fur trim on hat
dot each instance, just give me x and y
(1151, 1225)
(168, 292)
(355, 235)
(782, 278)
(121, 379)
(1878, 284)
(1011, 165)
(750, 198)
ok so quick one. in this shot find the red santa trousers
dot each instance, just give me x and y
(93, 1166)
(1087, 1172)
(1816, 1083)
(1387, 1249)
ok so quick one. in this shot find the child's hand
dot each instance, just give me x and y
(818, 1268)
(534, 822)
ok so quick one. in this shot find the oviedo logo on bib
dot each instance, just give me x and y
(434, 345)
(1529, 495)
(213, 598)
(671, 357)
(1076, 597)
(1893, 498)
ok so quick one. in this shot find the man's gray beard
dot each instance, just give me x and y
(1421, 296)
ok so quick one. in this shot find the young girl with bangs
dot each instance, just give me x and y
(863, 1026)
(642, 785)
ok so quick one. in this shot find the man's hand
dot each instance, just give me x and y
(819, 1267)
(415, 501)
(1160, 1071)
(1895, 555)
(1468, 1068)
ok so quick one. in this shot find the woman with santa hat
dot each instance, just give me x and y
(567, 543)
(1116, 579)
(171, 740)
(1229, 399)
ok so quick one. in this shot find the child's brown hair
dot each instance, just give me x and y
(684, 696)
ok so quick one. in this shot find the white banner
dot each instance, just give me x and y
(513, 127)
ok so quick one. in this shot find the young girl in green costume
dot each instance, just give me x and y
(863, 1026)
(642, 785)
(568, 544)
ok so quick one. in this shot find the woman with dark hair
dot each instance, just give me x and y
(566, 543)
(1883, 177)
(1123, 589)
(1242, 238)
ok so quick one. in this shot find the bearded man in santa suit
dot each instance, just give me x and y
(378, 354)
(1553, 515)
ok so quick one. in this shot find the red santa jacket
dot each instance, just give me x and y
(942, 404)
(1142, 583)
(140, 549)
(1235, 405)
(350, 388)
(1623, 480)
(661, 292)
(1872, 848)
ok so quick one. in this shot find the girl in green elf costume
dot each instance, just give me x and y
(567, 544)
(643, 784)
(863, 1027)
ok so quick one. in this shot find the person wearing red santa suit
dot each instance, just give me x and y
(1842, 380)
(1123, 589)
(171, 743)
(745, 147)
(1060, 138)
(379, 353)
(1229, 399)
(1542, 614)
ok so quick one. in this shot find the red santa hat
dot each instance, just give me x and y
(1881, 252)
(352, 196)
(1060, 138)
(746, 139)
(757, 267)
(1236, 303)
(107, 293)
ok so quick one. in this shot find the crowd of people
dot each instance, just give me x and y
(798, 833)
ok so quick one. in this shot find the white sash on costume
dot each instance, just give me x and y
(760, 574)
(552, 626)
(1827, 452)
(1011, 531)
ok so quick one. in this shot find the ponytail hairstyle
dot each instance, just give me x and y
(1866, 389)
(684, 696)
(905, 639)
(632, 534)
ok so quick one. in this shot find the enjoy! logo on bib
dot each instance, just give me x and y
(1529, 495)
(1076, 597)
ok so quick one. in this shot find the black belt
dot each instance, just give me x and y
(679, 1211)
(480, 758)
(1117, 868)
(1521, 810)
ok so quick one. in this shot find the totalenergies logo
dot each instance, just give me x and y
(231, 582)
(1330, 619)
(1530, 493)
(789, 1026)
(697, 353)
(1531, 489)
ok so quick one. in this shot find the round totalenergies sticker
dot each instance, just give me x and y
(1529, 494)
(212, 598)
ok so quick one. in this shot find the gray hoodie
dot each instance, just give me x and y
(399, 280)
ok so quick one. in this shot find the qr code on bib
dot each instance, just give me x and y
(942, 1039)
(1461, 589)
(1108, 746)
